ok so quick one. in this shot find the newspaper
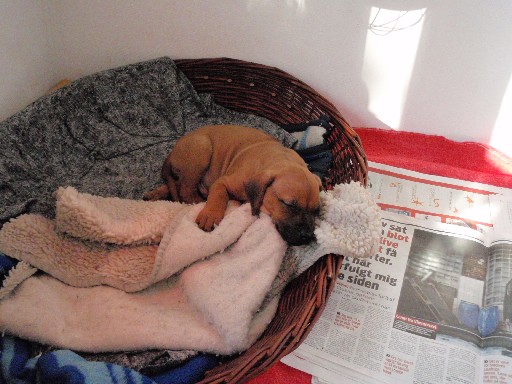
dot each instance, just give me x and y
(434, 304)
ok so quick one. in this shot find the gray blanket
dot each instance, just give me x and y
(106, 134)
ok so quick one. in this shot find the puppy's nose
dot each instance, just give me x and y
(301, 238)
(306, 237)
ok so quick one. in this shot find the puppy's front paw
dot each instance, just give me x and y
(207, 219)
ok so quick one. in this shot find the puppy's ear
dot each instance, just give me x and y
(169, 178)
(255, 190)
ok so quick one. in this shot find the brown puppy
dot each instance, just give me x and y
(218, 163)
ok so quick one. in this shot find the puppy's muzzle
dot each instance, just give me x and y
(297, 233)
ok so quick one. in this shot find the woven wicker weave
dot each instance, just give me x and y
(283, 99)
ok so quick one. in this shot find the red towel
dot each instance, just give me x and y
(437, 155)
(434, 155)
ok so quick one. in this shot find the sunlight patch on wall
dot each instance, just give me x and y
(299, 5)
(390, 53)
(501, 138)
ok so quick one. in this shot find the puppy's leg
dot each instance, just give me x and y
(189, 162)
(216, 204)
(160, 193)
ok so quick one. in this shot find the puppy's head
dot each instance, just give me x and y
(291, 197)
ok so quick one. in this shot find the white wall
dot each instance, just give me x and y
(26, 69)
(458, 55)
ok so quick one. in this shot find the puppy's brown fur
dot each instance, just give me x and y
(218, 163)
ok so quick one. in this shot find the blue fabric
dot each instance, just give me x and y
(64, 366)
(6, 264)
(319, 163)
(319, 157)
(67, 367)
(190, 372)
(323, 121)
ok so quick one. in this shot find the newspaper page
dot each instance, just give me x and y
(434, 304)
(432, 198)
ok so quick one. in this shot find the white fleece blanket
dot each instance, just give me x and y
(131, 275)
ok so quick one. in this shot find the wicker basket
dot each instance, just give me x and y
(283, 99)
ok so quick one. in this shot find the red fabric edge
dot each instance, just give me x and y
(437, 155)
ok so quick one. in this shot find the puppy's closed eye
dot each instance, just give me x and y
(291, 205)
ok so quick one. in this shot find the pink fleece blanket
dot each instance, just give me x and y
(125, 275)
(215, 304)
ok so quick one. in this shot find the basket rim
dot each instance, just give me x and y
(329, 108)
